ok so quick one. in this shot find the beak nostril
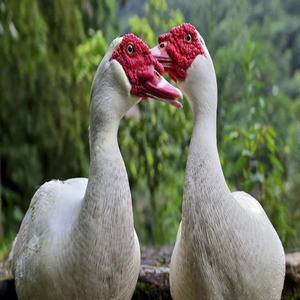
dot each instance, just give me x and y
(157, 74)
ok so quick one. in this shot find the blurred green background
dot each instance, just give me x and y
(49, 52)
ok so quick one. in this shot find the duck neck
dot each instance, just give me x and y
(107, 202)
(205, 189)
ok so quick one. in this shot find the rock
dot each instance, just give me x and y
(292, 275)
(155, 277)
(153, 280)
(293, 267)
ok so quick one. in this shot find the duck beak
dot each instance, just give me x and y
(161, 54)
(159, 89)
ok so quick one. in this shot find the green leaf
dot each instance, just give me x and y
(276, 163)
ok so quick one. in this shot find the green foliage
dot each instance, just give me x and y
(258, 171)
(48, 56)
(88, 56)
(5, 247)
(101, 14)
(158, 148)
(253, 46)
(158, 19)
(292, 295)
(41, 118)
(293, 149)
(145, 291)
(257, 168)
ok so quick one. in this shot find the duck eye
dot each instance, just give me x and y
(188, 38)
(130, 49)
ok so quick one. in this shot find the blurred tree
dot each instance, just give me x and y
(293, 183)
(257, 168)
(44, 121)
(150, 153)
(252, 44)
(46, 68)
(101, 14)
(159, 146)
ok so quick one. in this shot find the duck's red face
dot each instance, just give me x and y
(178, 49)
(144, 71)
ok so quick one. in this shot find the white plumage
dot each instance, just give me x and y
(77, 240)
(226, 247)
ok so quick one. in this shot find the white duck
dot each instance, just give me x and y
(226, 247)
(77, 240)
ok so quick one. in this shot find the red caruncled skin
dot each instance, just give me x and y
(180, 50)
(138, 66)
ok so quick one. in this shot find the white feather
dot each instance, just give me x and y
(77, 239)
(226, 247)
